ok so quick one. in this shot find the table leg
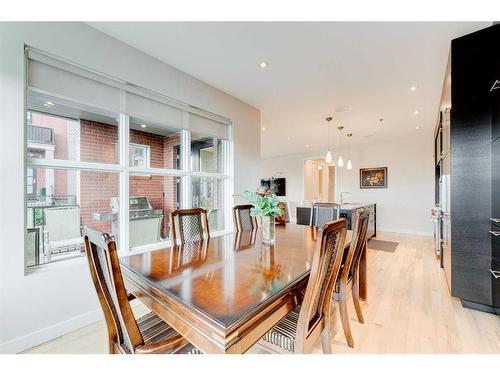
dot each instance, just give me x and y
(362, 276)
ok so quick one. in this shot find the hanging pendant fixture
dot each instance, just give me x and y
(340, 160)
(328, 157)
(349, 164)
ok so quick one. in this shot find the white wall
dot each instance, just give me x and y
(44, 304)
(404, 207)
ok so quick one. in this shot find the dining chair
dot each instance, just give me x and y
(298, 331)
(322, 213)
(126, 335)
(189, 225)
(349, 274)
(242, 218)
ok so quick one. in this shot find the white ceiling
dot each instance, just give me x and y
(314, 68)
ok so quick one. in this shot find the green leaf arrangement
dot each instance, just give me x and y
(265, 203)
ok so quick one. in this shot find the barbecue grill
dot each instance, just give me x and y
(145, 221)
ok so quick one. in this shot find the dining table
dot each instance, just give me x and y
(223, 294)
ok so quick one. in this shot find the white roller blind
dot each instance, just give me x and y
(67, 85)
(152, 111)
(205, 126)
(52, 76)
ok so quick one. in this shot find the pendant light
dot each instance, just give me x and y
(328, 157)
(349, 164)
(340, 160)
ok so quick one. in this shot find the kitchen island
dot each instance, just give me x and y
(346, 209)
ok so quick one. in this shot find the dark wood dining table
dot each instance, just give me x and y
(224, 294)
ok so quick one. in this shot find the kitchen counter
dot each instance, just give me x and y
(304, 215)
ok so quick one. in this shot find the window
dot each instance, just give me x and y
(63, 201)
(206, 154)
(139, 156)
(87, 135)
(209, 193)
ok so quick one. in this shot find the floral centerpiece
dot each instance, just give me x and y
(265, 206)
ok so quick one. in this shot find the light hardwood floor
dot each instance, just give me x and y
(409, 310)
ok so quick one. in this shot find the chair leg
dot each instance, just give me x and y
(355, 297)
(344, 318)
(326, 341)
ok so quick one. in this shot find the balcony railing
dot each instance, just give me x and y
(40, 134)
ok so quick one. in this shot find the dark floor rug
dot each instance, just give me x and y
(382, 245)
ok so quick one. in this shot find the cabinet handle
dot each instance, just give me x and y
(495, 220)
(496, 274)
(495, 233)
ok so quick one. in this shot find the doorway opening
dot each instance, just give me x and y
(319, 181)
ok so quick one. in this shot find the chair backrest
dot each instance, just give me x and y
(242, 218)
(107, 277)
(62, 223)
(316, 304)
(189, 225)
(361, 217)
(322, 213)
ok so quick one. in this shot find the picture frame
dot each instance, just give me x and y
(373, 178)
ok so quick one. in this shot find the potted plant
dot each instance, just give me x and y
(265, 206)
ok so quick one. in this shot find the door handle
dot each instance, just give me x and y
(494, 220)
(496, 274)
(495, 233)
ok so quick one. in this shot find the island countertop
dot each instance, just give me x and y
(303, 215)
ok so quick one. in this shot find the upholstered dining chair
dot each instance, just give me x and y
(242, 218)
(126, 335)
(322, 213)
(189, 225)
(298, 331)
(349, 274)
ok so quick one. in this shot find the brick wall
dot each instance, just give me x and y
(99, 141)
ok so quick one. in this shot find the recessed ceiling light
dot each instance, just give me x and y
(416, 112)
(48, 104)
(143, 126)
(413, 88)
(417, 127)
(264, 64)
(342, 108)
(308, 145)
(263, 128)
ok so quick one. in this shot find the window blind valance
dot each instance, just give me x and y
(58, 78)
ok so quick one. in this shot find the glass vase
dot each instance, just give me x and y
(268, 230)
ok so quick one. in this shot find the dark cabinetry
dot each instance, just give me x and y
(475, 168)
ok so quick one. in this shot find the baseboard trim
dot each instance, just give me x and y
(45, 334)
(411, 232)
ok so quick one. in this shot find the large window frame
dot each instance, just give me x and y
(124, 171)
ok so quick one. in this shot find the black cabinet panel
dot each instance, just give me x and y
(495, 281)
(475, 164)
(495, 183)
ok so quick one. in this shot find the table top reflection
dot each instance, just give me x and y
(222, 295)
(228, 277)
